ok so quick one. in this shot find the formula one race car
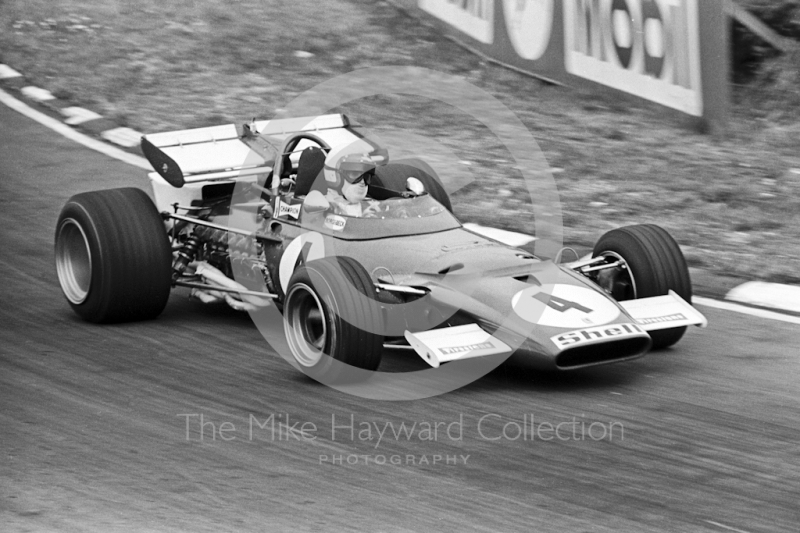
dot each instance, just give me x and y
(233, 220)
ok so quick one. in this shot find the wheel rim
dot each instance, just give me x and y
(608, 279)
(305, 325)
(73, 261)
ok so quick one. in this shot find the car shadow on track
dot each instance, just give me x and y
(518, 374)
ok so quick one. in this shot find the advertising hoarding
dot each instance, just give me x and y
(671, 52)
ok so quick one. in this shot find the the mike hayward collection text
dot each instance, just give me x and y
(491, 427)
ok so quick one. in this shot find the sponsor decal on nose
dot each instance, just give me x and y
(597, 333)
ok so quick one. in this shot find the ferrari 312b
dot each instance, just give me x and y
(231, 221)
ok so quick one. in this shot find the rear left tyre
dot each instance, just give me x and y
(112, 256)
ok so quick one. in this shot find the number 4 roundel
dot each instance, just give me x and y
(563, 306)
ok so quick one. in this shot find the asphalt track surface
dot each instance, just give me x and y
(94, 438)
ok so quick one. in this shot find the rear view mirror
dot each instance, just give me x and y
(415, 186)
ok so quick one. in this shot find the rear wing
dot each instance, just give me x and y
(226, 152)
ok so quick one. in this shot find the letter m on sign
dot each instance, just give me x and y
(589, 29)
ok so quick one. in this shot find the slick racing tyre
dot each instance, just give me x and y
(654, 265)
(393, 176)
(113, 257)
(331, 316)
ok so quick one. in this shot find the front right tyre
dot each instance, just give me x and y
(652, 264)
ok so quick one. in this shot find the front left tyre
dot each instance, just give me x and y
(331, 316)
(113, 256)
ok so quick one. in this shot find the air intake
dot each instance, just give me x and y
(607, 352)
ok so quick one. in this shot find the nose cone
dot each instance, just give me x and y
(550, 318)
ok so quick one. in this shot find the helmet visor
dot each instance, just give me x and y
(357, 176)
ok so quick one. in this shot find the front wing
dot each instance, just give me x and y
(647, 314)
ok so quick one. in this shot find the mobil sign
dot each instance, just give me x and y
(650, 48)
(672, 52)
